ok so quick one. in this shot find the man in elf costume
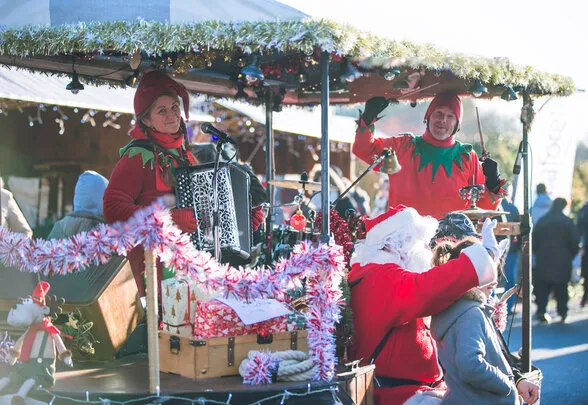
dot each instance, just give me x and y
(37, 349)
(434, 166)
(393, 289)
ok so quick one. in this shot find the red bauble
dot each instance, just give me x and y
(298, 221)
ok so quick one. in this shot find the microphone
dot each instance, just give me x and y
(207, 128)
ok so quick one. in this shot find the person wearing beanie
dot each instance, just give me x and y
(394, 287)
(87, 207)
(144, 171)
(434, 165)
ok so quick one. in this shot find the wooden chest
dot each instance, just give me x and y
(358, 383)
(219, 357)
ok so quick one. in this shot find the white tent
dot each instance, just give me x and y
(23, 12)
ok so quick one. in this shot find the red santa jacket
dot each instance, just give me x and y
(432, 171)
(389, 296)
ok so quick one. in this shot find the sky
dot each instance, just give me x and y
(550, 36)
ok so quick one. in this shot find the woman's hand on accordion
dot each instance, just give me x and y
(184, 219)
(257, 217)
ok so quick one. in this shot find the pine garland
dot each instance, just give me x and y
(225, 38)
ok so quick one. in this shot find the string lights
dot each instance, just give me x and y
(111, 120)
(158, 399)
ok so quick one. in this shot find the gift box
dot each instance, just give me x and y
(178, 303)
(215, 319)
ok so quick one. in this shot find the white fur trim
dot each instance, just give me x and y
(402, 219)
(433, 397)
(483, 263)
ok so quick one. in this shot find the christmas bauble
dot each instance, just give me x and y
(298, 221)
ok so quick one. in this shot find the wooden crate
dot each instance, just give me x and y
(358, 383)
(219, 357)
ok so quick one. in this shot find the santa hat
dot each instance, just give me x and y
(448, 99)
(154, 84)
(39, 292)
(393, 220)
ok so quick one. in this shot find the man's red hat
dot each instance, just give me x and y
(448, 99)
(154, 84)
(40, 292)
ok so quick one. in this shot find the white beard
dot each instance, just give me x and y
(419, 260)
(408, 248)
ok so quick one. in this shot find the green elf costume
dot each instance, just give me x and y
(433, 170)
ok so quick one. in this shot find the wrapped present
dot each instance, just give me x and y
(215, 319)
(178, 304)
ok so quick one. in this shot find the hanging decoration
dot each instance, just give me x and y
(321, 267)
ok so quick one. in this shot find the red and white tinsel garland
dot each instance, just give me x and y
(152, 227)
(260, 368)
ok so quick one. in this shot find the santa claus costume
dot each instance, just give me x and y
(433, 170)
(393, 289)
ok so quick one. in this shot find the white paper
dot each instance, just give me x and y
(256, 311)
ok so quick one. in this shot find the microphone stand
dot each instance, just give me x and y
(516, 170)
(386, 153)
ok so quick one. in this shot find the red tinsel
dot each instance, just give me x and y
(345, 233)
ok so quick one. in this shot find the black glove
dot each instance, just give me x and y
(373, 107)
(492, 174)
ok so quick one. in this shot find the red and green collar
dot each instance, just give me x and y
(439, 153)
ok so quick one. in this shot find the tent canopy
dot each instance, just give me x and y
(21, 86)
(207, 55)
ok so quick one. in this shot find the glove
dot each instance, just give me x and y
(373, 107)
(184, 219)
(492, 174)
(495, 249)
(257, 217)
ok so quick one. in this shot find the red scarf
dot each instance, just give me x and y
(168, 142)
(46, 326)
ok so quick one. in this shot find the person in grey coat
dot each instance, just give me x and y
(87, 212)
(476, 371)
(556, 241)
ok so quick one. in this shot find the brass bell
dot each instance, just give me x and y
(390, 164)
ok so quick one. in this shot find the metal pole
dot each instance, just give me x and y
(270, 171)
(526, 119)
(325, 164)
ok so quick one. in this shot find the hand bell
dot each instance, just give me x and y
(390, 164)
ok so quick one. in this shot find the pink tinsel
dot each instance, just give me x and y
(322, 267)
(260, 367)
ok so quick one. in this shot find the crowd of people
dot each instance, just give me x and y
(421, 279)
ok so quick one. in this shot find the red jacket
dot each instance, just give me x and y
(390, 296)
(416, 187)
(131, 187)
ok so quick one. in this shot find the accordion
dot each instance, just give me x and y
(194, 189)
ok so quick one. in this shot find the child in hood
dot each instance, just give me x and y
(87, 207)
